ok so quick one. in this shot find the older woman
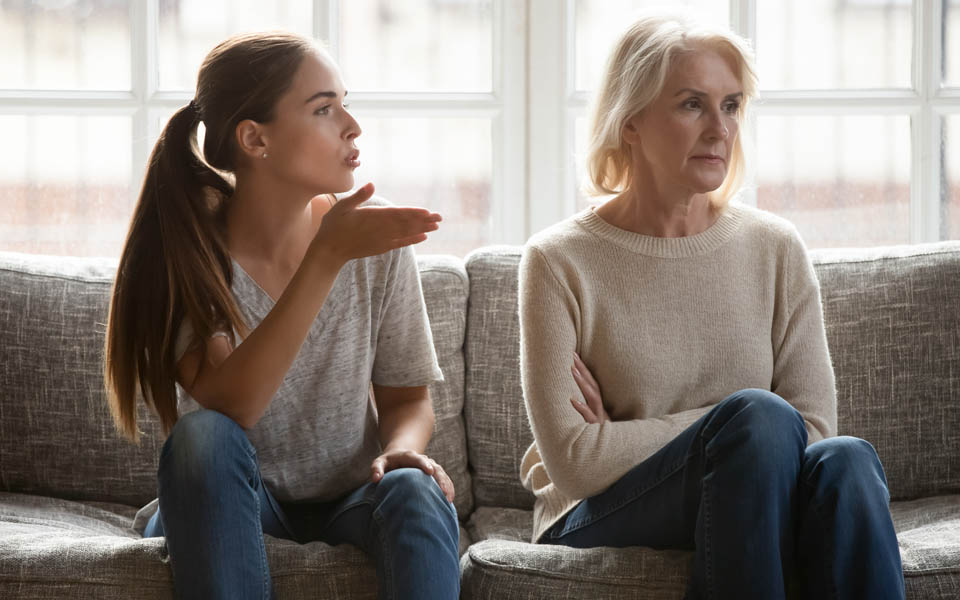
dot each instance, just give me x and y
(675, 366)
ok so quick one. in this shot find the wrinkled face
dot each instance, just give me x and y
(310, 141)
(682, 141)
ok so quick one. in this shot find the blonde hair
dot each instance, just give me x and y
(636, 72)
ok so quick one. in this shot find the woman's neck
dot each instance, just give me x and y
(269, 227)
(657, 216)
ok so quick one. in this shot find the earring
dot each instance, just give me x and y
(264, 155)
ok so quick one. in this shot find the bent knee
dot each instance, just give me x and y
(201, 437)
(843, 461)
(769, 417)
(409, 488)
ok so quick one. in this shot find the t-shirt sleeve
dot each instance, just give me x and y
(186, 339)
(405, 356)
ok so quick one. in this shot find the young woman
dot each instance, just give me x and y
(275, 308)
(673, 354)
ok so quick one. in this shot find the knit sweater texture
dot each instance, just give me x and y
(668, 327)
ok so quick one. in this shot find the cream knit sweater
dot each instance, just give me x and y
(669, 327)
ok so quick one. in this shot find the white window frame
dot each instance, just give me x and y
(552, 177)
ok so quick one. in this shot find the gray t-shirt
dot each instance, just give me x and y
(319, 434)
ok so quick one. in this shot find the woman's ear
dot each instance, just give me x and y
(250, 139)
(631, 131)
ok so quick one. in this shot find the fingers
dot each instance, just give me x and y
(358, 197)
(444, 481)
(584, 411)
(585, 371)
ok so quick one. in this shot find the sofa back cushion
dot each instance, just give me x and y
(893, 326)
(56, 433)
(497, 429)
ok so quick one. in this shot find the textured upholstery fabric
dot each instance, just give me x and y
(56, 433)
(497, 429)
(893, 326)
(445, 290)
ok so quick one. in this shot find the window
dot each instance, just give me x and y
(476, 108)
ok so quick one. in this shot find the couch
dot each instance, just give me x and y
(69, 485)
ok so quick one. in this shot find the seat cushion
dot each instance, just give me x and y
(928, 531)
(52, 548)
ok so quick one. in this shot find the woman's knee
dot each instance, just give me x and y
(767, 419)
(411, 490)
(201, 440)
(844, 463)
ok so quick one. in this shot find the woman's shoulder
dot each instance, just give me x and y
(560, 236)
(766, 226)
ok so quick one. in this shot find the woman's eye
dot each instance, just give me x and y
(322, 110)
(732, 107)
(346, 106)
(692, 104)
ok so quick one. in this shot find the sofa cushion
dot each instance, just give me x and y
(893, 326)
(497, 429)
(56, 434)
(928, 531)
(59, 548)
(445, 290)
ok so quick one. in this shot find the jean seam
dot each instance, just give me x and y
(671, 471)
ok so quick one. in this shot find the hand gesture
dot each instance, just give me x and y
(592, 411)
(350, 231)
(395, 459)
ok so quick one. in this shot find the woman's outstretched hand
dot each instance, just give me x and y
(592, 411)
(350, 231)
(395, 459)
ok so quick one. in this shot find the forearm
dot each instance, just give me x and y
(406, 418)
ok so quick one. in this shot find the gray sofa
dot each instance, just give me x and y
(69, 486)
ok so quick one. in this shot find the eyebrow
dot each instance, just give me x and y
(323, 95)
(702, 94)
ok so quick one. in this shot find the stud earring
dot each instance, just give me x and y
(264, 155)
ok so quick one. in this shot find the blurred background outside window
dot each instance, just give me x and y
(477, 109)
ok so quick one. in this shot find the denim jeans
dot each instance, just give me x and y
(762, 512)
(215, 510)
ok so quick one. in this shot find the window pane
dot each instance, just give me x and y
(950, 198)
(189, 29)
(443, 164)
(64, 45)
(951, 43)
(417, 45)
(65, 184)
(842, 180)
(600, 23)
(819, 44)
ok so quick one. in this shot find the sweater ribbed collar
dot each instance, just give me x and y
(680, 247)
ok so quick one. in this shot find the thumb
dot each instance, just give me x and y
(358, 197)
(377, 469)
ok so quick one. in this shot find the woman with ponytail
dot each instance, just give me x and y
(252, 312)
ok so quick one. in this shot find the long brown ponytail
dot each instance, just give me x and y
(175, 264)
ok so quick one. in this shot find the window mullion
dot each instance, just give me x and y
(326, 25)
(549, 197)
(926, 153)
(144, 80)
(509, 196)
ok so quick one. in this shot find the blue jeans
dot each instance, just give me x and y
(762, 512)
(215, 509)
